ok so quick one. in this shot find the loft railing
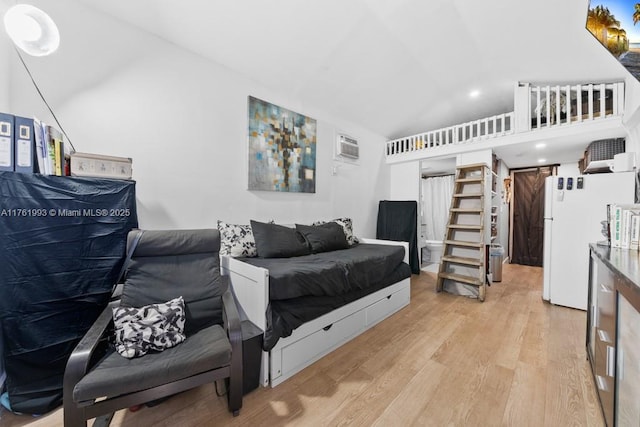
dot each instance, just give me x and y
(549, 106)
(489, 127)
(535, 108)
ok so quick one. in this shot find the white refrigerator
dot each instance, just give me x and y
(573, 211)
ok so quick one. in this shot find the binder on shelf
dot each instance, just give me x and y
(6, 142)
(41, 154)
(24, 147)
(53, 147)
(59, 157)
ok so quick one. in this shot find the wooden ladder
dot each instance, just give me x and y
(464, 257)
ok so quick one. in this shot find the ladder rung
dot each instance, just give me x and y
(477, 166)
(461, 195)
(467, 210)
(461, 278)
(466, 226)
(462, 260)
(464, 243)
(468, 180)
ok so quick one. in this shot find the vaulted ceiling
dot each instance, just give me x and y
(397, 67)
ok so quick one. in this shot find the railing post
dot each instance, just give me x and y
(522, 106)
(618, 88)
(579, 113)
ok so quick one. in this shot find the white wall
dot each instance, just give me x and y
(405, 181)
(568, 169)
(475, 157)
(631, 117)
(4, 71)
(405, 185)
(183, 119)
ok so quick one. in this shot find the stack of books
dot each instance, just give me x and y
(31, 146)
(50, 150)
(624, 226)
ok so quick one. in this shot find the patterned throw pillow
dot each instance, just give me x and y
(152, 327)
(347, 226)
(236, 240)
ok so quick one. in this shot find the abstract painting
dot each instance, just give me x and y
(282, 149)
(616, 25)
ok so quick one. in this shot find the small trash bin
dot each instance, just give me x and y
(251, 355)
(496, 255)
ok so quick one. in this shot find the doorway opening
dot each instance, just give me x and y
(527, 215)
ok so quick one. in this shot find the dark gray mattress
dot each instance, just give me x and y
(306, 287)
(329, 273)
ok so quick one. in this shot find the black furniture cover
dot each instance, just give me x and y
(398, 220)
(63, 244)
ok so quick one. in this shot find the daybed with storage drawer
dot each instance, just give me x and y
(310, 304)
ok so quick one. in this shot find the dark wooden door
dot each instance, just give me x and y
(528, 216)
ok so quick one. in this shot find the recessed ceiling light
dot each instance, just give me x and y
(540, 145)
(474, 93)
(542, 160)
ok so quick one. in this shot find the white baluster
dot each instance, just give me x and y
(538, 108)
(557, 115)
(603, 100)
(567, 104)
(579, 102)
(548, 105)
(590, 101)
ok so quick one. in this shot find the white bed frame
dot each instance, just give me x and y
(316, 338)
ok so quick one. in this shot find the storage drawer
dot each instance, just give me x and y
(317, 344)
(386, 306)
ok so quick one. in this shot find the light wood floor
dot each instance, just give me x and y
(443, 360)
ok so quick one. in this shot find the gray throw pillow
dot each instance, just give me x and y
(347, 226)
(278, 241)
(324, 237)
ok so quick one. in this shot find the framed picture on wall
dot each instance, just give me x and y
(282, 149)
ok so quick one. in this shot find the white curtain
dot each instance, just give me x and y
(436, 199)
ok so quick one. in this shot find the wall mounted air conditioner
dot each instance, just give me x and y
(347, 147)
